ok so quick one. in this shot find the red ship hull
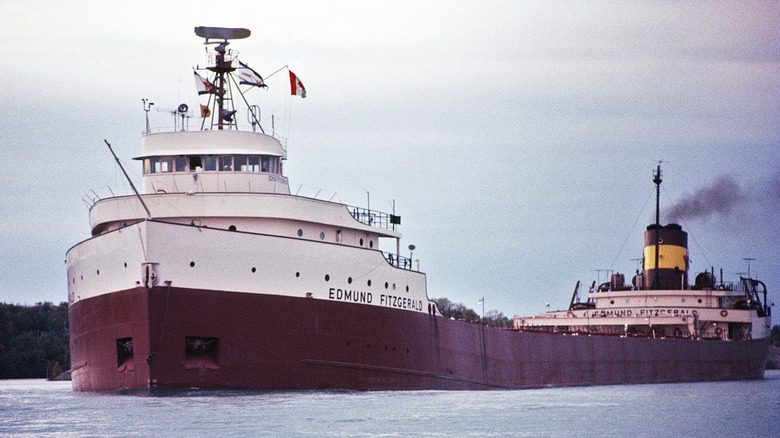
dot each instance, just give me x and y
(214, 339)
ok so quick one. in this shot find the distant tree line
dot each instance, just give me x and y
(33, 340)
(493, 318)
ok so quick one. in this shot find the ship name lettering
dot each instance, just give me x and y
(350, 295)
(667, 312)
(617, 313)
(277, 179)
(641, 313)
(400, 302)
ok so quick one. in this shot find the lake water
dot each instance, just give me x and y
(713, 409)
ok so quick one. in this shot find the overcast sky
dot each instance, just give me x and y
(518, 139)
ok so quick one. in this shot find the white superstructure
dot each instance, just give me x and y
(215, 213)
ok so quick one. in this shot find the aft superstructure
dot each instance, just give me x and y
(660, 302)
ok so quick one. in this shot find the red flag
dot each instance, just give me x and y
(296, 86)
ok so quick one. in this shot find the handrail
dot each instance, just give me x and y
(374, 218)
(398, 261)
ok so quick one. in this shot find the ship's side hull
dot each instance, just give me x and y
(216, 339)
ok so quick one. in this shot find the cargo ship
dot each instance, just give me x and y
(214, 275)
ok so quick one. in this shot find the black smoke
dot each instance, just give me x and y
(721, 197)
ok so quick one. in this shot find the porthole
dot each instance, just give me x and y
(683, 300)
(611, 301)
(98, 272)
(370, 243)
(369, 283)
(300, 232)
(347, 343)
(699, 300)
(327, 277)
(393, 286)
(254, 270)
(407, 288)
(349, 280)
(192, 264)
(81, 277)
(368, 346)
(232, 228)
(125, 264)
(361, 242)
(297, 274)
(322, 236)
(386, 285)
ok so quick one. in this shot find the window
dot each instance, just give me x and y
(226, 163)
(254, 164)
(154, 165)
(166, 164)
(181, 164)
(196, 165)
(211, 163)
(264, 164)
(239, 163)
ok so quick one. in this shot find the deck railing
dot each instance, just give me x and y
(374, 218)
(398, 261)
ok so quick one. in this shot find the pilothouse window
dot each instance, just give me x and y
(181, 164)
(254, 164)
(196, 164)
(211, 163)
(226, 163)
(166, 164)
(239, 163)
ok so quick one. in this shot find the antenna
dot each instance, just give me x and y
(657, 180)
(148, 215)
(147, 107)
(748, 260)
(222, 33)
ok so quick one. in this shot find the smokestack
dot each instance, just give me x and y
(672, 270)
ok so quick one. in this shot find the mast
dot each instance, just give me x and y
(222, 67)
(657, 181)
